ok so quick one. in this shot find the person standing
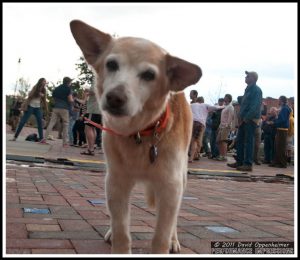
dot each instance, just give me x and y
(250, 113)
(15, 113)
(33, 105)
(282, 126)
(62, 99)
(269, 131)
(227, 117)
(290, 138)
(93, 114)
(216, 119)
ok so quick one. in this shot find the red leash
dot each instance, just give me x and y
(159, 125)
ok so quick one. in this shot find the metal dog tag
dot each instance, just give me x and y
(153, 153)
(138, 138)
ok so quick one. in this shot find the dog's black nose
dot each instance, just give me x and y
(116, 99)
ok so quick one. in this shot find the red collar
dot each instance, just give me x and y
(158, 126)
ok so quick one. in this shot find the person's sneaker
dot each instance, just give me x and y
(257, 162)
(50, 137)
(43, 141)
(66, 146)
(13, 139)
(247, 168)
(221, 158)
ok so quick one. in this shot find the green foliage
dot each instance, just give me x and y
(23, 87)
(86, 76)
(50, 100)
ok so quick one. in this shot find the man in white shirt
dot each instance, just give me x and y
(200, 112)
(226, 124)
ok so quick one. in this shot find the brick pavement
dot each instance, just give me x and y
(255, 211)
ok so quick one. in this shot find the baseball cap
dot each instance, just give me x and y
(253, 74)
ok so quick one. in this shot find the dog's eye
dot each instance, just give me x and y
(147, 75)
(112, 65)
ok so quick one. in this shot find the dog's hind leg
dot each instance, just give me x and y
(117, 193)
(168, 205)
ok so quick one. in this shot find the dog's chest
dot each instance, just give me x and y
(134, 155)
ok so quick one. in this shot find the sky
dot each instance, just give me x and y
(224, 39)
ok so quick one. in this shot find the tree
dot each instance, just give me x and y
(23, 88)
(86, 75)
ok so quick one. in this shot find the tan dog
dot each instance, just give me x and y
(148, 128)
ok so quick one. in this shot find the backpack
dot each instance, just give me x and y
(32, 138)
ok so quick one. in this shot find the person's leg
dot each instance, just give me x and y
(267, 148)
(38, 115)
(81, 130)
(52, 122)
(223, 148)
(193, 149)
(249, 143)
(64, 113)
(74, 132)
(199, 141)
(281, 138)
(23, 121)
(240, 144)
(70, 129)
(214, 147)
(90, 136)
(257, 141)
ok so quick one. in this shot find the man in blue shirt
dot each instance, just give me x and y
(62, 98)
(250, 112)
(282, 126)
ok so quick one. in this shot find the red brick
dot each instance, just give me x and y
(14, 230)
(91, 247)
(38, 243)
(18, 251)
(38, 227)
(13, 213)
(72, 225)
(30, 198)
(54, 200)
(53, 251)
(45, 221)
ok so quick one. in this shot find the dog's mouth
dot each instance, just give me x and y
(117, 112)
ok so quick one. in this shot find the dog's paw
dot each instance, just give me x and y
(175, 247)
(107, 237)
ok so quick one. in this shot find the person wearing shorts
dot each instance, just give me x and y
(93, 114)
(227, 118)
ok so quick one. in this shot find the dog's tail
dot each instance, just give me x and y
(150, 196)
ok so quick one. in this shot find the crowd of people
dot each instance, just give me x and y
(69, 112)
(241, 125)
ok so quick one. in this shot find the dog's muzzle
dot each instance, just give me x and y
(115, 102)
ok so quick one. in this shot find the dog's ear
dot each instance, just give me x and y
(91, 41)
(181, 73)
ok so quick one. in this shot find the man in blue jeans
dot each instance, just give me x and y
(250, 113)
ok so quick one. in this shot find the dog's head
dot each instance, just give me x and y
(133, 75)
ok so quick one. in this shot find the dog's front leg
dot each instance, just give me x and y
(117, 194)
(169, 201)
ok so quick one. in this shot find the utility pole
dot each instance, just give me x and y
(18, 75)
